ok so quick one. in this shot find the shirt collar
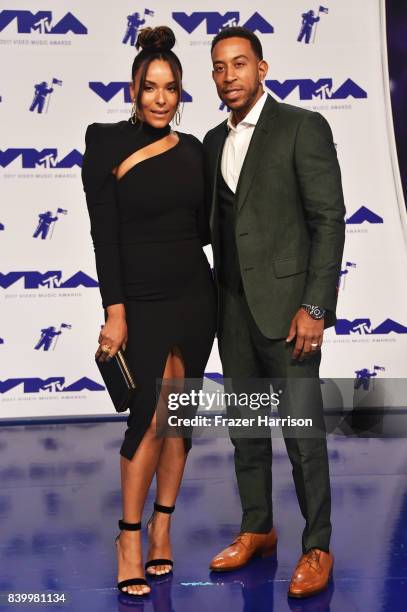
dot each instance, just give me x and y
(252, 116)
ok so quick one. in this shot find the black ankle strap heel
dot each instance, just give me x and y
(164, 509)
(131, 581)
(129, 526)
(155, 562)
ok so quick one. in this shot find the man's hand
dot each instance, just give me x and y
(308, 333)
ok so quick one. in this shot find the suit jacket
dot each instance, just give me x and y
(289, 221)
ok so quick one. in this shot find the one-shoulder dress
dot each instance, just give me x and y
(148, 230)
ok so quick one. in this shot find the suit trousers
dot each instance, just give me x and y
(247, 354)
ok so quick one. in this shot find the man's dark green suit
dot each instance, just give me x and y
(287, 239)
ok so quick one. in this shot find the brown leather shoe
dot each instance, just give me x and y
(246, 546)
(311, 574)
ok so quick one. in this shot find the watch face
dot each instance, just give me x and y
(315, 312)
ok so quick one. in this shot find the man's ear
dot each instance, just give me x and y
(263, 69)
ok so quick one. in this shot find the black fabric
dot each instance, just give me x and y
(129, 526)
(229, 273)
(121, 214)
(107, 145)
(164, 509)
(148, 229)
(132, 582)
(155, 562)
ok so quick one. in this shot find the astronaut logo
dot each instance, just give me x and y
(49, 337)
(364, 376)
(42, 95)
(134, 22)
(47, 222)
(309, 25)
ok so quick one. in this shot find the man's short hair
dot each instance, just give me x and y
(239, 32)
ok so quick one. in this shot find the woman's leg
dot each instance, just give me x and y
(136, 476)
(170, 470)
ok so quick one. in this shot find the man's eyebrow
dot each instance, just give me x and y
(233, 59)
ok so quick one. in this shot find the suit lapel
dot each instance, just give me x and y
(258, 141)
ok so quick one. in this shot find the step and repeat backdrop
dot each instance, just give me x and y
(67, 64)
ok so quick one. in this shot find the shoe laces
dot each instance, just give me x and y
(240, 540)
(312, 559)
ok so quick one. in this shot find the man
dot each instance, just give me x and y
(277, 223)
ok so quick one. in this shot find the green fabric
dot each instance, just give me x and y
(289, 224)
(248, 360)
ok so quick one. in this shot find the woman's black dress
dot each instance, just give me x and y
(148, 230)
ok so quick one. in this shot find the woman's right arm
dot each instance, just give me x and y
(100, 193)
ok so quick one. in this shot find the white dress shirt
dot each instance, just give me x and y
(237, 142)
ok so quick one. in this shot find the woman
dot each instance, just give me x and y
(145, 195)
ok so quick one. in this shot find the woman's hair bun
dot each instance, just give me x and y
(161, 38)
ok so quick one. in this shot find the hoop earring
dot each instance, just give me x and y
(133, 113)
(178, 114)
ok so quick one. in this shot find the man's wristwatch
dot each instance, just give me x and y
(314, 311)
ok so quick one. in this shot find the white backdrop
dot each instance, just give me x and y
(48, 283)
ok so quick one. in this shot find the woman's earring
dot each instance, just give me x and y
(133, 114)
(178, 114)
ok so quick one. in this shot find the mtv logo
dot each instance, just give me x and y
(363, 214)
(41, 22)
(53, 384)
(110, 90)
(51, 280)
(46, 158)
(216, 21)
(309, 89)
(344, 327)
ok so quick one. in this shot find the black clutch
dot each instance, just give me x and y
(119, 380)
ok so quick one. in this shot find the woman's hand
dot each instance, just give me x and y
(113, 334)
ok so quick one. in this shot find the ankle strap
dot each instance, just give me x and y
(129, 526)
(165, 509)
